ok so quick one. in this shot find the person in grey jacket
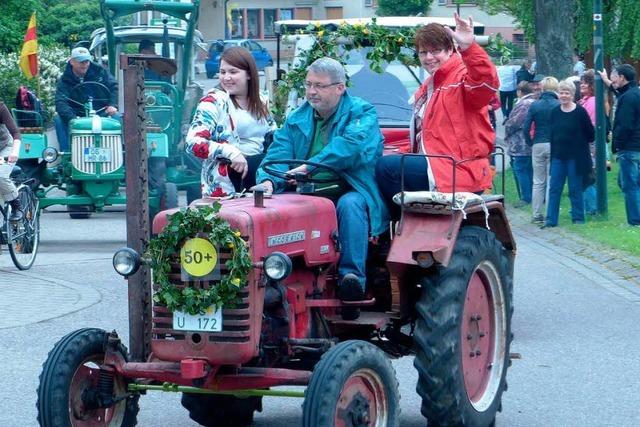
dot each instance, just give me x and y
(537, 122)
(517, 148)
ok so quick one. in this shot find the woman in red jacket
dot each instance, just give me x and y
(449, 117)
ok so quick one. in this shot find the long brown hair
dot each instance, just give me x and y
(241, 58)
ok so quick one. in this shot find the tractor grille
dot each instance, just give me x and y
(112, 142)
(236, 322)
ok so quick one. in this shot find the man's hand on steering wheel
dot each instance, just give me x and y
(110, 110)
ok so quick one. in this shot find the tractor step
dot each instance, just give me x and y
(373, 319)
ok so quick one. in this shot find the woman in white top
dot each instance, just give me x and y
(229, 127)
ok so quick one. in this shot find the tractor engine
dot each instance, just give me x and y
(298, 229)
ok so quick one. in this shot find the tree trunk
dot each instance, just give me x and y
(555, 28)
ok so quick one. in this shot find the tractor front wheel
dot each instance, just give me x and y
(353, 385)
(72, 385)
(463, 332)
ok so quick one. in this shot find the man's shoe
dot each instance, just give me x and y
(16, 210)
(537, 220)
(350, 289)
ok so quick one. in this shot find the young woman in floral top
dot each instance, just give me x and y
(229, 127)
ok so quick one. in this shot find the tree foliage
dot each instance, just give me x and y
(621, 23)
(61, 22)
(402, 7)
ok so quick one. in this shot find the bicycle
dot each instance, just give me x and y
(22, 237)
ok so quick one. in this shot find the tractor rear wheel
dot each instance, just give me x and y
(217, 410)
(70, 382)
(353, 385)
(79, 211)
(463, 332)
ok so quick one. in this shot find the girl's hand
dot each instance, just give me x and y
(239, 164)
(463, 35)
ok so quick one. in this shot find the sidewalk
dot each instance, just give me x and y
(27, 298)
(623, 265)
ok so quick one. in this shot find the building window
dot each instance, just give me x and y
(303, 13)
(285, 14)
(237, 24)
(333, 12)
(269, 23)
(253, 23)
(442, 2)
(260, 23)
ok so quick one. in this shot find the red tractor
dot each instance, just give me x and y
(440, 288)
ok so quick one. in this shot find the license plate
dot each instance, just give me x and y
(96, 155)
(211, 321)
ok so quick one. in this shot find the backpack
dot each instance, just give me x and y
(28, 101)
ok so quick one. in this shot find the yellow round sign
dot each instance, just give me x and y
(198, 257)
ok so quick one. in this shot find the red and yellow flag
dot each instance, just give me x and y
(29, 56)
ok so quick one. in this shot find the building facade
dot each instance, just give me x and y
(254, 19)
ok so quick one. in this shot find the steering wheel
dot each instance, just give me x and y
(300, 177)
(98, 93)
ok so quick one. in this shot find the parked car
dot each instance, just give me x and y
(260, 54)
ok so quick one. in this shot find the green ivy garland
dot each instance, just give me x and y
(386, 45)
(186, 224)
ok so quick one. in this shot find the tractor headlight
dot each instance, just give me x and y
(126, 261)
(277, 266)
(49, 154)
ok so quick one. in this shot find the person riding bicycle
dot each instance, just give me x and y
(80, 69)
(9, 148)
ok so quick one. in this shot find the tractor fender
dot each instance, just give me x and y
(437, 234)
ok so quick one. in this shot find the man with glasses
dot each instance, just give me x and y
(339, 131)
(80, 69)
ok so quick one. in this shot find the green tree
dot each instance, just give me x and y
(402, 7)
(14, 20)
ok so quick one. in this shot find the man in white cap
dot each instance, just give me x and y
(80, 69)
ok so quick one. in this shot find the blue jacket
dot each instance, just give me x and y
(355, 145)
(539, 113)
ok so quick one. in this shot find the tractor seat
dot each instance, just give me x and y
(31, 129)
(437, 203)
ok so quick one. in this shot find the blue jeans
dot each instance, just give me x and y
(590, 200)
(353, 234)
(389, 178)
(561, 169)
(523, 174)
(62, 133)
(629, 182)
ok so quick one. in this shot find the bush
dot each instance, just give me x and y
(51, 61)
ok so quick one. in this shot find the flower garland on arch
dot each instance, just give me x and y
(190, 223)
(387, 45)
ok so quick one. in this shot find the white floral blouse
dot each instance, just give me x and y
(214, 135)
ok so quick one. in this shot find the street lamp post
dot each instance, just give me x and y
(601, 132)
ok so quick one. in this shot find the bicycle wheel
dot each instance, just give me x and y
(23, 237)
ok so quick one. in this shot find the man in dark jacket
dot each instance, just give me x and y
(80, 69)
(538, 115)
(626, 138)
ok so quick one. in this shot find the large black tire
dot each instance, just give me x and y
(194, 192)
(353, 385)
(69, 372)
(463, 332)
(217, 410)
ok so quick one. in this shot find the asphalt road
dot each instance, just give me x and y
(576, 326)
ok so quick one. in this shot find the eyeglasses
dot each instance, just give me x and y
(318, 86)
(433, 52)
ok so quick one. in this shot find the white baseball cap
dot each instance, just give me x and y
(81, 54)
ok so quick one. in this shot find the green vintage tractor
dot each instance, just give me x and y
(170, 100)
(90, 175)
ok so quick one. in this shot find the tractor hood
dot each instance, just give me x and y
(95, 124)
(300, 226)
